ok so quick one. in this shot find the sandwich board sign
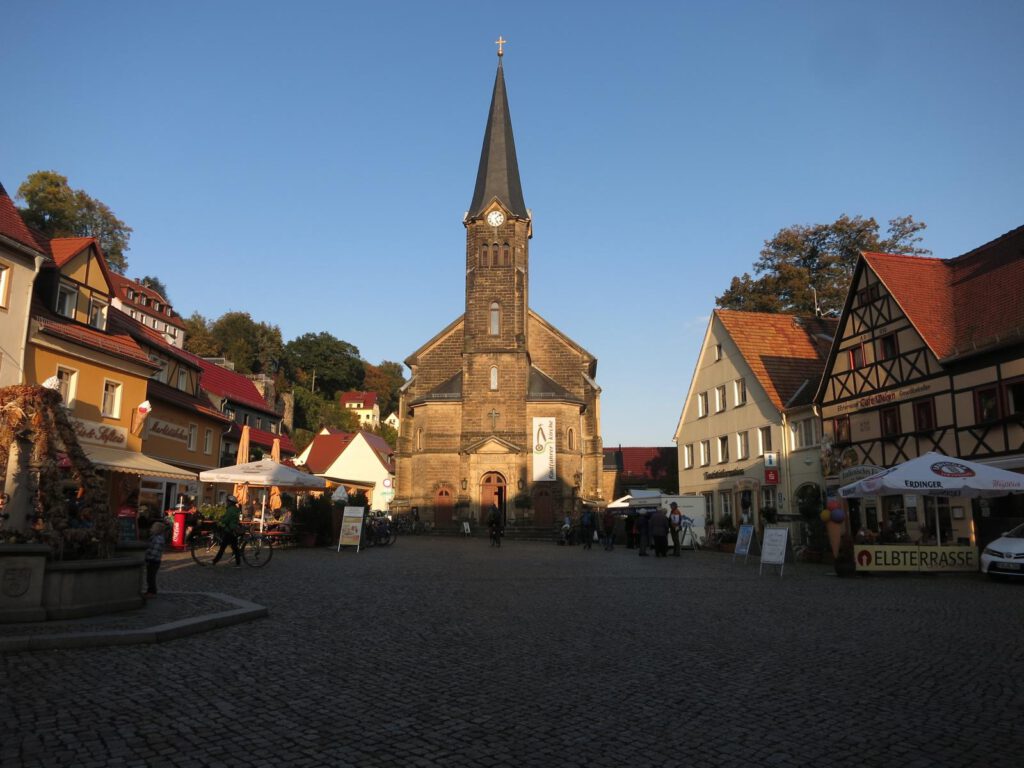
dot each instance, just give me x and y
(746, 541)
(351, 528)
(773, 551)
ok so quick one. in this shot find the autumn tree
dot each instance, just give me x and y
(384, 379)
(806, 269)
(57, 210)
(198, 339)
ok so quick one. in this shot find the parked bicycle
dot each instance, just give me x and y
(256, 548)
(377, 531)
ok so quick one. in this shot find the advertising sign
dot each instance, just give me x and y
(100, 434)
(167, 429)
(913, 558)
(771, 477)
(743, 541)
(544, 449)
(773, 549)
(351, 528)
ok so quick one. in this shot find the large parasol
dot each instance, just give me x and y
(242, 489)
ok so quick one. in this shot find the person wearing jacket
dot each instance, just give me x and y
(659, 532)
(230, 525)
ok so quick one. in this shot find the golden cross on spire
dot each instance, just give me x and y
(501, 42)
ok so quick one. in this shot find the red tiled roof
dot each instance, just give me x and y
(325, 449)
(786, 353)
(262, 438)
(63, 249)
(121, 286)
(116, 343)
(961, 305)
(156, 390)
(13, 226)
(368, 399)
(233, 386)
(646, 463)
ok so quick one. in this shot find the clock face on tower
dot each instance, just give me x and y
(495, 218)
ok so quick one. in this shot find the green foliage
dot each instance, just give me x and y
(156, 284)
(314, 515)
(198, 339)
(57, 210)
(313, 412)
(389, 433)
(323, 363)
(802, 259)
(253, 347)
(385, 379)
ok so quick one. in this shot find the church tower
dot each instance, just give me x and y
(501, 408)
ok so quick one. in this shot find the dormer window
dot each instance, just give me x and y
(67, 300)
(98, 314)
(130, 294)
(156, 305)
(143, 300)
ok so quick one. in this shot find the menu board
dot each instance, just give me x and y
(773, 549)
(351, 528)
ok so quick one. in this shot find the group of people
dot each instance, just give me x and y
(644, 529)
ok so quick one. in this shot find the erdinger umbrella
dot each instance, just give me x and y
(241, 492)
(275, 492)
(936, 475)
(263, 474)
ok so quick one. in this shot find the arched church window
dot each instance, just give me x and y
(506, 258)
(494, 377)
(495, 320)
(483, 255)
(494, 255)
(419, 439)
(570, 439)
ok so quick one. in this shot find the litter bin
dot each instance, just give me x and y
(178, 532)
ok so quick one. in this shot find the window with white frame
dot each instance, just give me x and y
(193, 436)
(705, 452)
(111, 399)
(161, 373)
(98, 314)
(718, 352)
(768, 498)
(67, 300)
(764, 440)
(726, 502)
(805, 433)
(739, 388)
(208, 441)
(688, 455)
(5, 284)
(709, 507)
(742, 445)
(723, 449)
(183, 380)
(720, 399)
(68, 383)
(702, 405)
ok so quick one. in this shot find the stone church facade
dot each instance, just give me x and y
(502, 407)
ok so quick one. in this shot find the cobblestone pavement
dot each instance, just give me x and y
(444, 652)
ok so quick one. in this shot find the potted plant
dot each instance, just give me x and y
(727, 534)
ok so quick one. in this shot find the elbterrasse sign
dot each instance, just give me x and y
(914, 558)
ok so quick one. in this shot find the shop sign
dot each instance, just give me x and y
(100, 434)
(771, 460)
(915, 558)
(849, 475)
(771, 477)
(544, 449)
(168, 430)
(881, 398)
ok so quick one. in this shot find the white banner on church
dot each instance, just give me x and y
(544, 449)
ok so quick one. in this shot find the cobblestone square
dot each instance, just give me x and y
(445, 652)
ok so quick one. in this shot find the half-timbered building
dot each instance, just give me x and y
(929, 356)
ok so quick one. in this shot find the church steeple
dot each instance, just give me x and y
(498, 175)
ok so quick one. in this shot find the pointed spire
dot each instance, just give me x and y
(498, 175)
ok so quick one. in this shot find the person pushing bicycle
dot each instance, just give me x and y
(231, 525)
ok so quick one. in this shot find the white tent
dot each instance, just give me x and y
(266, 472)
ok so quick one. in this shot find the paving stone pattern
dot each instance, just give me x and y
(445, 652)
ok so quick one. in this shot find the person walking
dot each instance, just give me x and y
(659, 532)
(608, 529)
(588, 527)
(154, 554)
(643, 531)
(230, 526)
(675, 523)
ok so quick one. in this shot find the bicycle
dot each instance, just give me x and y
(255, 548)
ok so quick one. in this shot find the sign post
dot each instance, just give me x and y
(351, 528)
(773, 552)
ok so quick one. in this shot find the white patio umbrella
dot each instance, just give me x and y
(934, 474)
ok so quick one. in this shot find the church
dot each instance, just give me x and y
(501, 407)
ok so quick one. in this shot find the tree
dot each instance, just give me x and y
(807, 269)
(323, 362)
(385, 379)
(198, 339)
(57, 210)
(313, 412)
(253, 347)
(156, 284)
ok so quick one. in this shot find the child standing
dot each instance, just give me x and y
(154, 552)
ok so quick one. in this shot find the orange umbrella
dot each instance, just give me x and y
(275, 492)
(242, 490)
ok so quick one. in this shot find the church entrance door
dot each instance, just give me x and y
(492, 491)
(543, 508)
(443, 508)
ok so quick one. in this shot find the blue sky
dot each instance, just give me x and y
(310, 162)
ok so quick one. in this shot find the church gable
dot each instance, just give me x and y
(493, 445)
(559, 357)
(437, 361)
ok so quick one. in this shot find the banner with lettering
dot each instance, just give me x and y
(167, 429)
(100, 434)
(544, 449)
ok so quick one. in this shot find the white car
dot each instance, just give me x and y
(1005, 555)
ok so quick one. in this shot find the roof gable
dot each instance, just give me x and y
(232, 386)
(12, 226)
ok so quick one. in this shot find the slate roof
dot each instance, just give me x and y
(13, 226)
(498, 174)
(964, 305)
(262, 438)
(543, 387)
(787, 353)
(233, 386)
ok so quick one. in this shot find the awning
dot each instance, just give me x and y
(133, 462)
